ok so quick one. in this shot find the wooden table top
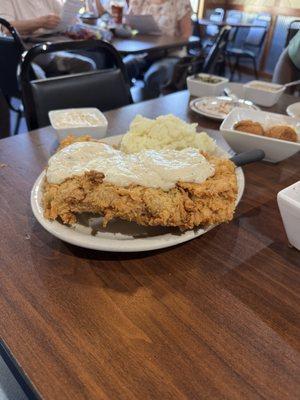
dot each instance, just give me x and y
(135, 45)
(214, 318)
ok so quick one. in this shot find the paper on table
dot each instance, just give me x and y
(69, 14)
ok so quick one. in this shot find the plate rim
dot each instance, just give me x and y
(290, 113)
(212, 116)
(70, 235)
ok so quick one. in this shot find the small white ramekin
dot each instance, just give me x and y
(96, 132)
(289, 205)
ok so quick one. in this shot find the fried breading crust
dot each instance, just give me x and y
(283, 132)
(186, 206)
(249, 126)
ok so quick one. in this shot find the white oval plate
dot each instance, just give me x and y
(293, 110)
(119, 236)
(197, 105)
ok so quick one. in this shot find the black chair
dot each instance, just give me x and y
(251, 47)
(105, 89)
(211, 31)
(216, 16)
(213, 62)
(195, 48)
(292, 30)
(233, 17)
(216, 56)
(11, 48)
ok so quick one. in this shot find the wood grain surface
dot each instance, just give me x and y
(214, 318)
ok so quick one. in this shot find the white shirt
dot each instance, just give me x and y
(29, 9)
(167, 13)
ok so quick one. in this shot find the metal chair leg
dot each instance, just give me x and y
(229, 63)
(236, 65)
(19, 110)
(255, 68)
(18, 121)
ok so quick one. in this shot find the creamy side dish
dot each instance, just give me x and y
(149, 168)
(75, 119)
(265, 87)
(208, 79)
(220, 106)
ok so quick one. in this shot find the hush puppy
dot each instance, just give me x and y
(250, 127)
(282, 132)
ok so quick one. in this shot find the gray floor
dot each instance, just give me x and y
(9, 388)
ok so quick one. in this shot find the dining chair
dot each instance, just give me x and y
(216, 16)
(216, 55)
(252, 46)
(233, 17)
(292, 29)
(104, 89)
(11, 48)
(213, 62)
(211, 31)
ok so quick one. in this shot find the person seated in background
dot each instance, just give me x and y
(287, 68)
(30, 16)
(173, 17)
(37, 16)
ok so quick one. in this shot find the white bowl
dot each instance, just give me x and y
(289, 205)
(263, 97)
(97, 130)
(293, 110)
(200, 89)
(275, 149)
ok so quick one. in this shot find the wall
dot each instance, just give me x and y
(266, 3)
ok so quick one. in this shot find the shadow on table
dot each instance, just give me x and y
(97, 255)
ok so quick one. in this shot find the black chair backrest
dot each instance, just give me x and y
(11, 48)
(257, 33)
(216, 16)
(233, 17)
(217, 50)
(104, 89)
(292, 30)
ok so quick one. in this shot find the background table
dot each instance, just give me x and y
(213, 318)
(135, 45)
(148, 43)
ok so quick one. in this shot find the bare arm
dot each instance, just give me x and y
(185, 26)
(26, 27)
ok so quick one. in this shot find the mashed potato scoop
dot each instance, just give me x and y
(164, 132)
